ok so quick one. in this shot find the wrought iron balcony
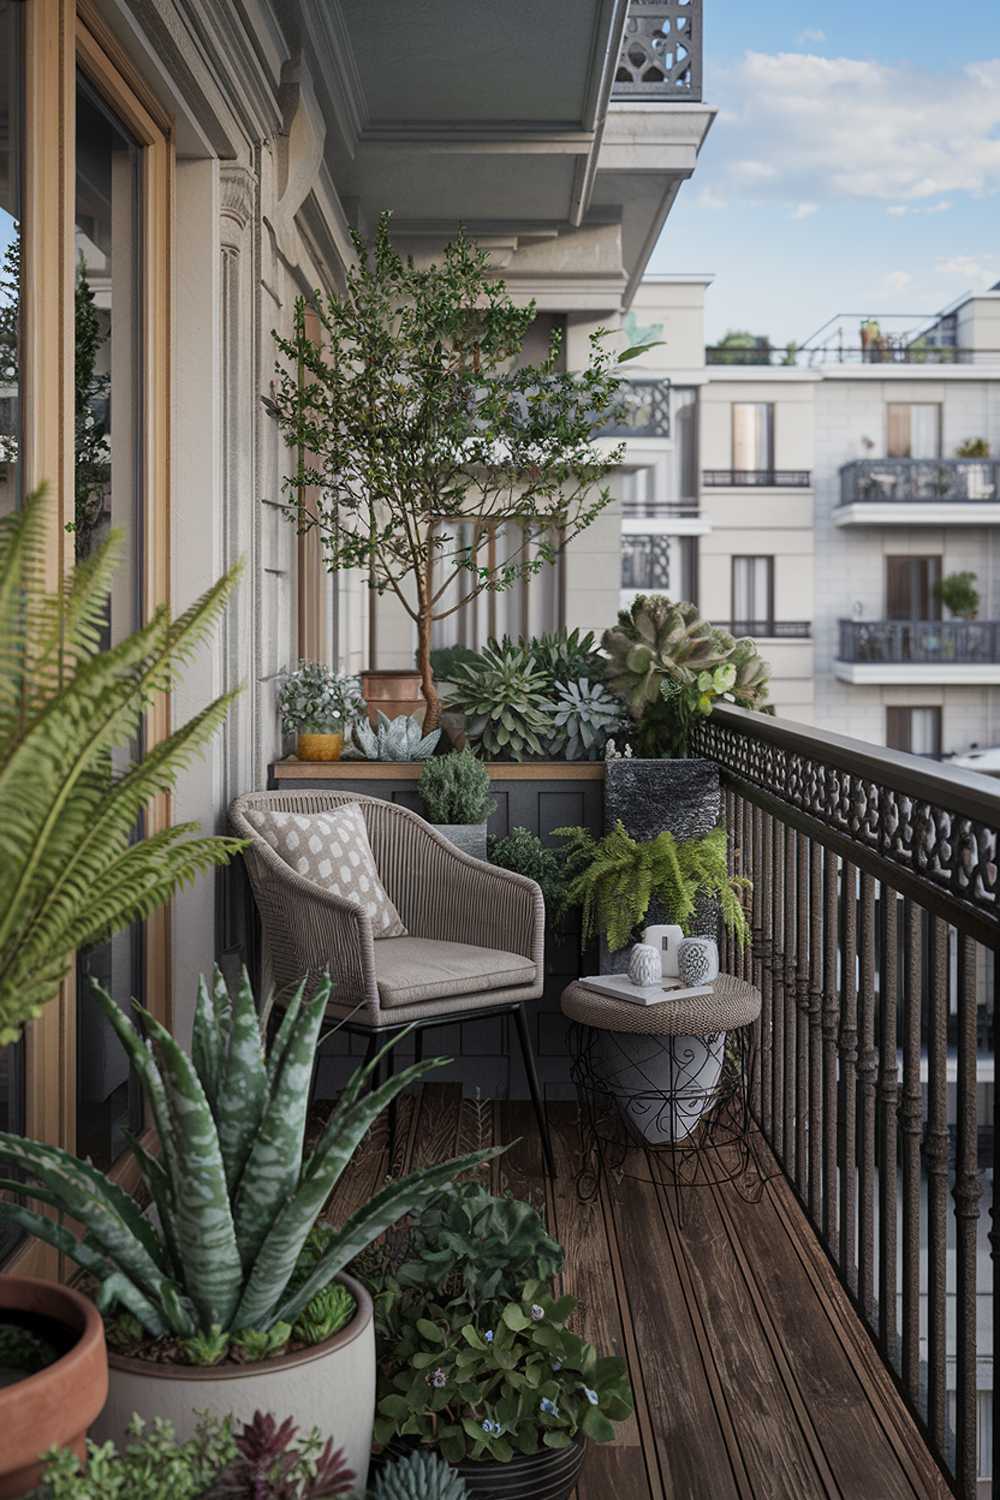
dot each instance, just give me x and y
(793, 479)
(775, 630)
(923, 480)
(661, 53)
(644, 410)
(660, 510)
(938, 642)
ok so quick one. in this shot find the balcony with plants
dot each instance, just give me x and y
(964, 490)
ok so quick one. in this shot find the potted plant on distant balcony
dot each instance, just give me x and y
(959, 595)
(427, 439)
(455, 790)
(317, 705)
(476, 1356)
(232, 1299)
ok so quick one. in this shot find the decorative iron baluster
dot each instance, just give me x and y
(728, 810)
(847, 1101)
(967, 1193)
(746, 868)
(995, 1219)
(816, 1029)
(756, 953)
(936, 1141)
(780, 1036)
(910, 1114)
(831, 1032)
(867, 1075)
(765, 950)
(888, 1089)
(802, 1018)
(791, 1000)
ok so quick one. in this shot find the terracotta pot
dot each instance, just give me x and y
(320, 746)
(392, 693)
(547, 1475)
(55, 1407)
(330, 1386)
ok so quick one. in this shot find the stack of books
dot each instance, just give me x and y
(620, 987)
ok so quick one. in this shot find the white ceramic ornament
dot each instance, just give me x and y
(644, 965)
(665, 936)
(697, 960)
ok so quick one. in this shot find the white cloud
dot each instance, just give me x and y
(897, 210)
(709, 198)
(898, 281)
(804, 210)
(811, 34)
(810, 127)
(977, 271)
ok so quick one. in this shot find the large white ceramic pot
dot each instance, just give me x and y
(330, 1387)
(663, 1085)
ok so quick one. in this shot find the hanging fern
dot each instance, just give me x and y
(71, 869)
(614, 879)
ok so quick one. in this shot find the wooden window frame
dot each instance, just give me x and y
(59, 37)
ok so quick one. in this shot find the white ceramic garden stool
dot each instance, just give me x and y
(673, 1077)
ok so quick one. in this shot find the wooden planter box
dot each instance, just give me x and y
(540, 796)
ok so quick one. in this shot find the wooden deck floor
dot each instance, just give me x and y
(751, 1374)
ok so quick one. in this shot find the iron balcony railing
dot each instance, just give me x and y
(876, 935)
(797, 479)
(652, 510)
(643, 409)
(763, 353)
(660, 58)
(920, 641)
(923, 480)
(778, 630)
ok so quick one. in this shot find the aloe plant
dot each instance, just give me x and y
(505, 699)
(401, 738)
(236, 1196)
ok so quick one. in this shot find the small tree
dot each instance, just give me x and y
(422, 438)
(959, 595)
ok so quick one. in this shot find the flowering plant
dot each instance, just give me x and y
(526, 1384)
(314, 699)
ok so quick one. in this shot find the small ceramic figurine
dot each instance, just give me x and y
(697, 960)
(644, 966)
(665, 936)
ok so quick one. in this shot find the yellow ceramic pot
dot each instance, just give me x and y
(320, 746)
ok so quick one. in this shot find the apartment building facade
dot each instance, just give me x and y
(816, 499)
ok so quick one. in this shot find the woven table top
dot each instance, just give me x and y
(732, 1003)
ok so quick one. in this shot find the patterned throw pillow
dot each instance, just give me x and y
(332, 850)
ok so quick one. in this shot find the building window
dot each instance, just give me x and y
(913, 429)
(916, 729)
(656, 562)
(753, 596)
(910, 588)
(753, 436)
(684, 431)
(529, 605)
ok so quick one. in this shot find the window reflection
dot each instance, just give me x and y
(107, 455)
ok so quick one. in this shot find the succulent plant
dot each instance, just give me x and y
(561, 655)
(315, 699)
(656, 639)
(401, 738)
(585, 715)
(749, 689)
(419, 1476)
(455, 788)
(505, 700)
(236, 1193)
(24, 1350)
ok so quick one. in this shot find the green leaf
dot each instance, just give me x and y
(243, 1089)
(430, 1331)
(514, 1318)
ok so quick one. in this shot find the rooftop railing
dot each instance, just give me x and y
(875, 947)
(960, 642)
(660, 57)
(843, 354)
(927, 480)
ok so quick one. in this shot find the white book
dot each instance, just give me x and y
(620, 987)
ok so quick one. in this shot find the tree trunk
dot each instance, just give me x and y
(431, 697)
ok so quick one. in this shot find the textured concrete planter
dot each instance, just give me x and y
(469, 837)
(56, 1406)
(330, 1387)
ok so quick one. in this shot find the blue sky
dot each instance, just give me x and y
(853, 167)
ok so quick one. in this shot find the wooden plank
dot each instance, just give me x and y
(293, 769)
(769, 1432)
(629, 1466)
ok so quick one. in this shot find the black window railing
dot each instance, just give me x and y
(960, 642)
(798, 479)
(778, 630)
(876, 948)
(660, 57)
(919, 480)
(643, 409)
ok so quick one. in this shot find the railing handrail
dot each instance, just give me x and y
(720, 355)
(953, 642)
(789, 630)
(798, 479)
(920, 481)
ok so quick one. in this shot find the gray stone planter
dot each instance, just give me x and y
(469, 837)
(649, 796)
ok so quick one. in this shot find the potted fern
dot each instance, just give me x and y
(455, 790)
(234, 1299)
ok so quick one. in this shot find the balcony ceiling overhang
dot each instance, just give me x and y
(918, 513)
(948, 674)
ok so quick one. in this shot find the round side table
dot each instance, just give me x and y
(669, 1082)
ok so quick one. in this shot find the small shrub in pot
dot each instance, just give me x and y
(455, 790)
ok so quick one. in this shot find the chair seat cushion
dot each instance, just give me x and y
(332, 849)
(409, 970)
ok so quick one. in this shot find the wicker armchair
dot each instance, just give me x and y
(474, 943)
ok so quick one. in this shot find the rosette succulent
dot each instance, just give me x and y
(656, 639)
(506, 703)
(401, 738)
(419, 1476)
(564, 654)
(586, 713)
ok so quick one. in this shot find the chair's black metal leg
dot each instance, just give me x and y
(536, 1097)
(390, 1068)
(418, 1045)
